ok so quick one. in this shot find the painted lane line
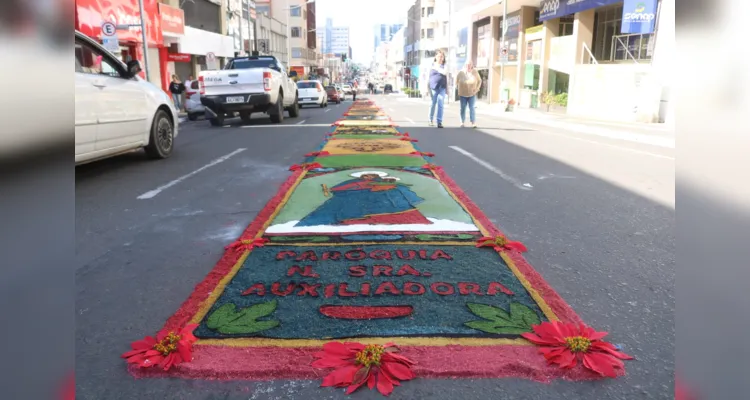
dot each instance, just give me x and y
(301, 122)
(410, 120)
(390, 109)
(152, 193)
(515, 182)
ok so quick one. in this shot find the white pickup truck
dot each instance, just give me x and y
(247, 85)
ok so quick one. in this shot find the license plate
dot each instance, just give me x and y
(236, 99)
(311, 98)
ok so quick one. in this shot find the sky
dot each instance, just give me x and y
(361, 16)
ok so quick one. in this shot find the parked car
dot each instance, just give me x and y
(388, 88)
(246, 85)
(347, 89)
(333, 94)
(312, 93)
(116, 111)
(193, 104)
(342, 94)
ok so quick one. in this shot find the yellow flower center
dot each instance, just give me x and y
(168, 344)
(370, 355)
(501, 241)
(578, 344)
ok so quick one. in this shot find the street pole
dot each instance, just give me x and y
(502, 43)
(143, 37)
(288, 38)
(450, 74)
(242, 42)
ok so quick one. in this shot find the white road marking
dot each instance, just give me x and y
(390, 109)
(410, 120)
(328, 109)
(512, 180)
(152, 193)
(301, 122)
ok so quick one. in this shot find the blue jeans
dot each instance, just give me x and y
(438, 97)
(177, 99)
(470, 101)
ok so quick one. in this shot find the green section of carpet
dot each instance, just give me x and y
(308, 239)
(309, 195)
(427, 237)
(354, 136)
(377, 160)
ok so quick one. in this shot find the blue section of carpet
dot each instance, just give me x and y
(434, 314)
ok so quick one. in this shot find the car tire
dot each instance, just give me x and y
(246, 116)
(322, 104)
(218, 121)
(277, 115)
(294, 109)
(161, 140)
(192, 116)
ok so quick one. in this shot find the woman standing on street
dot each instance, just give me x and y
(438, 85)
(176, 88)
(469, 82)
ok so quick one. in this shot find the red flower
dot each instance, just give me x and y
(432, 167)
(306, 167)
(356, 364)
(500, 243)
(565, 344)
(242, 245)
(167, 350)
(421, 153)
(317, 154)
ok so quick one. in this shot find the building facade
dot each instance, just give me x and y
(595, 58)
(300, 18)
(340, 41)
(272, 36)
(385, 32)
(412, 55)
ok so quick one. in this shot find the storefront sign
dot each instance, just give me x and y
(172, 19)
(551, 9)
(510, 46)
(91, 13)
(484, 43)
(638, 16)
(178, 57)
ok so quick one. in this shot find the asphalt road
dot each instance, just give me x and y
(596, 213)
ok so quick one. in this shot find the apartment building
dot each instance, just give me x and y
(300, 17)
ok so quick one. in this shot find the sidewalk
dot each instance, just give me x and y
(651, 134)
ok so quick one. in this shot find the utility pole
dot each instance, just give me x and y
(143, 37)
(502, 43)
(450, 75)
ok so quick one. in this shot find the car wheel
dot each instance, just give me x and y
(192, 116)
(246, 116)
(322, 104)
(218, 121)
(277, 116)
(294, 109)
(161, 141)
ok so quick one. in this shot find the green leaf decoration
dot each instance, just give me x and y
(226, 319)
(496, 320)
(313, 239)
(427, 237)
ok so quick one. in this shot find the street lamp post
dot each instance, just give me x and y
(143, 37)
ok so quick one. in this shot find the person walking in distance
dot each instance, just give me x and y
(469, 82)
(176, 88)
(438, 86)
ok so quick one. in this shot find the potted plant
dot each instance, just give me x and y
(548, 99)
(510, 105)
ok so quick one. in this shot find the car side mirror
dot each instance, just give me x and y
(134, 67)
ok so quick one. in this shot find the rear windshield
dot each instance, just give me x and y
(330, 89)
(307, 85)
(247, 63)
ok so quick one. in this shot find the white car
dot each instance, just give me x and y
(312, 93)
(193, 104)
(115, 110)
(247, 85)
(347, 89)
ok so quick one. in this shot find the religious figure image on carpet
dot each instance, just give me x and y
(365, 200)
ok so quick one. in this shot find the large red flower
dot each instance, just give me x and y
(565, 344)
(167, 350)
(356, 364)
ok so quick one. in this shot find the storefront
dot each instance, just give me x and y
(172, 62)
(483, 51)
(89, 15)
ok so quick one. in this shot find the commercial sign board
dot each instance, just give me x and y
(178, 57)
(461, 49)
(638, 16)
(172, 19)
(508, 51)
(91, 13)
(551, 9)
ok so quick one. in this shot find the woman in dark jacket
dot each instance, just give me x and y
(176, 88)
(438, 86)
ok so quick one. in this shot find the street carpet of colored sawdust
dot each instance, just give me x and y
(373, 247)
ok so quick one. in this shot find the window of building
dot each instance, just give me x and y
(263, 9)
(296, 31)
(423, 10)
(295, 11)
(430, 33)
(430, 11)
(611, 45)
(566, 26)
(296, 52)
(422, 33)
